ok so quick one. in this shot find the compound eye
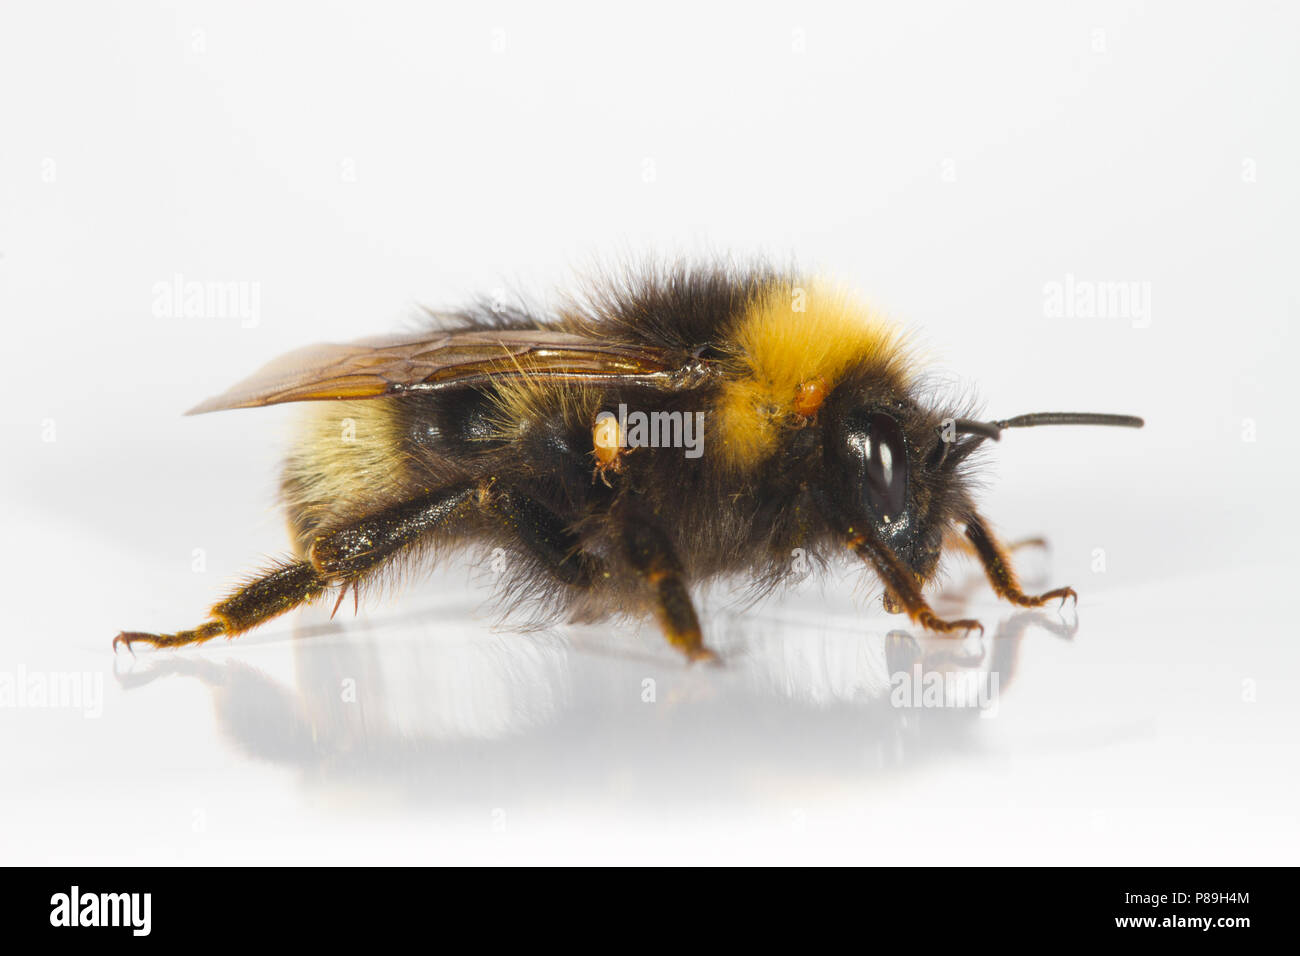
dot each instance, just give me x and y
(886, 467)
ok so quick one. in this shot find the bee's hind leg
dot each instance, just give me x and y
(997, 565)
(336, 558)
(272, 593)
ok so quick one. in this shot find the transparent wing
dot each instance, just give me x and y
(390, 366)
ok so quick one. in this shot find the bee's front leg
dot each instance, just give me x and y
(956, 541)
(997, 565)
(902, 590)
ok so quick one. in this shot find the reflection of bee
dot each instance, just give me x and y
(517, 431)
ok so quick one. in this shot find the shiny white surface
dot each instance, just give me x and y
(1162, 731)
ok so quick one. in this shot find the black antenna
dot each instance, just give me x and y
(993, 430)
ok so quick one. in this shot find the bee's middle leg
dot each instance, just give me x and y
(650, 553)
(545, 535)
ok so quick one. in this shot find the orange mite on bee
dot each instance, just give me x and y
(607, 447)
(809, 396)
(676, 426)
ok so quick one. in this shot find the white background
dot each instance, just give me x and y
(351, 161)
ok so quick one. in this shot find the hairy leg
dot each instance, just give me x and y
(336, 558)
(902, 588)
(957, 541)
(997, 565)
(546, 535)
(651, 556)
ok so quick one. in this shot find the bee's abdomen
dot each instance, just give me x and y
(346, 460)
(461, 423)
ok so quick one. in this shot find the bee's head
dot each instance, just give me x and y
(899, 467)
(888, 466)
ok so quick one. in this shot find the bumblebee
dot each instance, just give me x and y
(656, 431)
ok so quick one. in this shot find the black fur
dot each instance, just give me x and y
(717, 521)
